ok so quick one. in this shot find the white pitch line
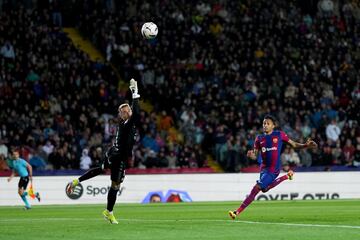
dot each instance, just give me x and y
(302, 224)
(246, 222)
(183, 220)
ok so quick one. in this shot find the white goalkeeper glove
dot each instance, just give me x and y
(134, 89)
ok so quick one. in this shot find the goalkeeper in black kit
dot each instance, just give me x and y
(116, 157)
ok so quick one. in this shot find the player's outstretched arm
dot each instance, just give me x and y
(309, 144)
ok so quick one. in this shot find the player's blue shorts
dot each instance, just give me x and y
(266, 178)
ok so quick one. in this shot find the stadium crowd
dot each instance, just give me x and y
(211, 74)
(59, 108)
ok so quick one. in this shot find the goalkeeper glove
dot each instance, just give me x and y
(134, 89)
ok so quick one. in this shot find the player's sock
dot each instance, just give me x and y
(277, 182)
(23, 197)
(111, 199)
(248, 199)
(25, 193)
(91, 173)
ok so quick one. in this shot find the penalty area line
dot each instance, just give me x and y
(245, 222)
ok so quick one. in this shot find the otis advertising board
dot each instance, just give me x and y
(186, 187)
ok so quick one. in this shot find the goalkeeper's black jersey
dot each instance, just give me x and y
(126, 132)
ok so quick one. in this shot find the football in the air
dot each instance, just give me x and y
(149, 30)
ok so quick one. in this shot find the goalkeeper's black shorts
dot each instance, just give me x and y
(115, 161)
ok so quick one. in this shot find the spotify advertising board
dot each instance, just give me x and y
(195, 187)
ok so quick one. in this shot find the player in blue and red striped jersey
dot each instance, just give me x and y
(269, 146)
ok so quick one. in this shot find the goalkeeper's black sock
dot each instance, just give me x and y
(111, 199)
(91, 173)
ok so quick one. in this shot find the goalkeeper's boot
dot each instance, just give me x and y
(71, 186)
(109, 217)
(37, 195)
(232, 214)
(290, 175)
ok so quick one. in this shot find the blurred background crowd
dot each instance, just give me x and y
(215, 69)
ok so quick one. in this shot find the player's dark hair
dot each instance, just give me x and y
(272, 118)
(14, 150)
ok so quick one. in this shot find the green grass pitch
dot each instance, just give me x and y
(290, 220)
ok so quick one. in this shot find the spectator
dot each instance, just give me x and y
(3, 164)
(166, 121)
(171, 159)
(305, 158)
(337, 154)
(333, 131)
(285, 157)
(201, 159)
(58, 160)
(85, 160)
(139, 158)
(357, 156)
(232, 154)
(96, 156)
(151, 160)
(220, 141)
(37, 162)
(149, 142)
(326, 157)
(7, 50)
(163, 161)
(55, 7)
(3, 149)
(203, 8)
(188, 117)
(48, 148)
(349, 152)
(294, 158)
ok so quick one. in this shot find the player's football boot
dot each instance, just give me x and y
(37, 195)
(71, 186)
(290, 175)
(109, 217)
(232, 214)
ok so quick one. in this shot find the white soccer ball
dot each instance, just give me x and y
(149, 30)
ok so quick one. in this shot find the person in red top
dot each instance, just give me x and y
(268, 146)
(349, 152)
